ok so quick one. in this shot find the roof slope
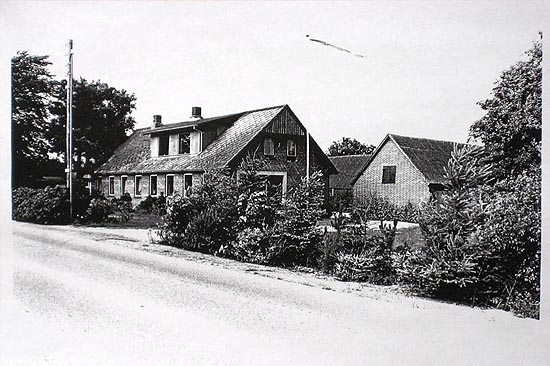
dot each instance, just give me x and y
(134, 155)
(349, 167)
(429, 156)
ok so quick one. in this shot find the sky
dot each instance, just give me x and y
(427, 63)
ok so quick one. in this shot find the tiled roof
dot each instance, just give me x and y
(429, 156)
(134, 155)
(349, 167)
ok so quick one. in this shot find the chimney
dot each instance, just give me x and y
(196, 113)
(157, 120)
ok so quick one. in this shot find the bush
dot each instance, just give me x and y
(122, 207)
(49, 205)
(448, 267)
(511, 232)
(295, 238)
(148, 204)
(98, 210)
(379, 208)
(366, 255)
(205, 220)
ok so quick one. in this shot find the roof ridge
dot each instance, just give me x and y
(424, 138)
(342, 156)
(228, 115)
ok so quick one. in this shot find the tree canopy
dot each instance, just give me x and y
(511, 127)
(101, 121)
(32, 86)
(349, 146)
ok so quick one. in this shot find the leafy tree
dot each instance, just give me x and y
(101, 121)
(349, 146)
(511, 128)
(32, 85)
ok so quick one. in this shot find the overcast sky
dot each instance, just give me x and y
(427, 64)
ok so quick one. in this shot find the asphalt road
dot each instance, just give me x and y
(78, 300)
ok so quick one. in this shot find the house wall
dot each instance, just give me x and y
(145, 179)
(410, 185)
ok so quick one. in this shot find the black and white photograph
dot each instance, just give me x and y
(273, 183)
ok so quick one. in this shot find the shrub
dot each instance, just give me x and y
(366, 255)
(379, 208)
(98, 210)
(148, 204)
(295, 238)
(207, 218)
(122, 207)
(512, 233)
(49, 205)
(448, 266)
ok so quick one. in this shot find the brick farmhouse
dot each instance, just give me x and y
(404, 169)
(169, 159)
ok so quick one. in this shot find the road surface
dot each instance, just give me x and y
(78, 299)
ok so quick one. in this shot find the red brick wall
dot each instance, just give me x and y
(410, 185)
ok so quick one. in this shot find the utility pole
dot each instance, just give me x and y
(307, 156)
(69, 155)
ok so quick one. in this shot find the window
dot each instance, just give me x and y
(111, 186)
(163, 145)
(184, 143)
(169, 185)
(187, 184)
(137, 186)
(153, 185)
(269, 148)
(388, 174)
(123, 180)
(291, 148)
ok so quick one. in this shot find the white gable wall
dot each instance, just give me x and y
(410, 185)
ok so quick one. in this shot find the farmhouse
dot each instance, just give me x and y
(169, 159)
(404, 169)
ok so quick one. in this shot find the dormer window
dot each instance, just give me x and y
(269, 147)
(163, 145)
(184, 143)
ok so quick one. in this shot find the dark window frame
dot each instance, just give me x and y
(123, 184)
(269, 147)
(291, 147)
(181, 146)
(164, 145)
(169, 188)
(388, 174)
(151, 193)
(111, 183)
(185, 186)
(137, 186)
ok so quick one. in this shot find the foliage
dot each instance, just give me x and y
(295, 239)
(122, 207)
(41, 206)
(366, 256)
(205, 220)
(98, 210)
(102, 120)
(482, 239)
(349, 146)
(32, 85)
(511, 127)
(512, 234)
(380, 208)
(448, 266)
